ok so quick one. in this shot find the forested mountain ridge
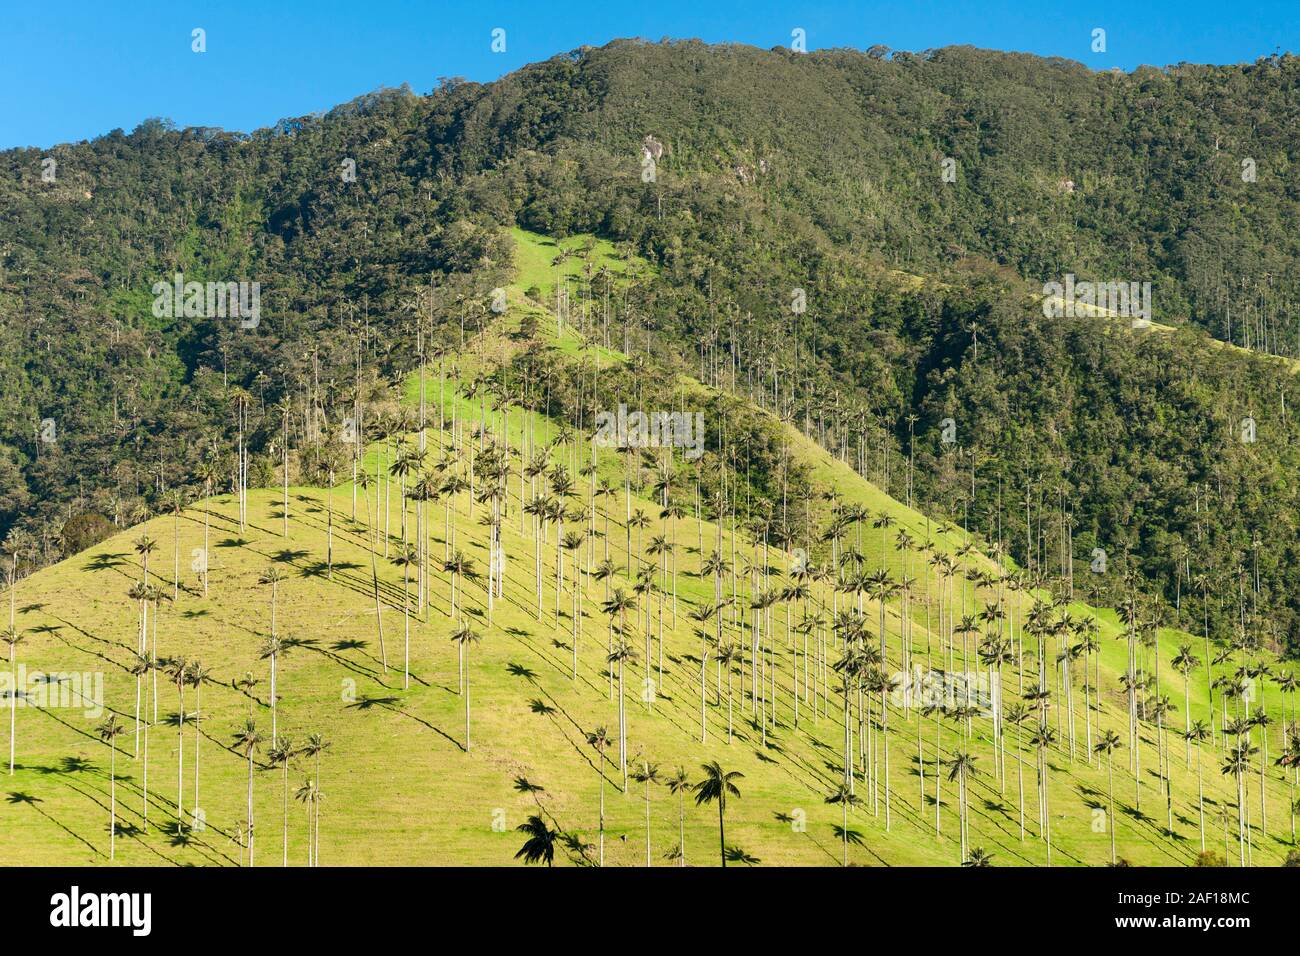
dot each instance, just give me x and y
(778, 172)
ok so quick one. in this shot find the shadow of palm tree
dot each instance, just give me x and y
(366, 703)
(852, 835)
(105, 562)
(20, 798)
(736, 855)
(519, 670)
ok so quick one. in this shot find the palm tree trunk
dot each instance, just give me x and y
(112, 802)
(722, 834)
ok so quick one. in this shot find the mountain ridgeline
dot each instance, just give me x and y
(856, 241)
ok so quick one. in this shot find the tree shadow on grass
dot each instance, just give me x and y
(20, 798)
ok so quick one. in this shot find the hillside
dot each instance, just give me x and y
(399, 785)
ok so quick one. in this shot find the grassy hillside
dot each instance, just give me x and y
(399, 785)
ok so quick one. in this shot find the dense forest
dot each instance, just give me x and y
(915, 203)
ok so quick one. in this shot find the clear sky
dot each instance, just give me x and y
(72, 69)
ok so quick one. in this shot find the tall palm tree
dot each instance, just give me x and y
(282, 752)
(273, 648)
(540, 845)
(716, 786)
(648, 774)
(1185, 662)
(623, 654)
(139, 669)
(273, 577)
(306, 794)
(13, 637)
(178, 668)
(315, 746)
(1043, 737)
(407, 557)
(1106, 745)
(1197, 733)
(144, 546)
(364, 482)
(678, 784)
(458, 566)
(1237, 763)
(108, 732)
(248, 739)
(599, 739)
(960, 768)
(845, 797)
(209, 472)
(465, 637)
(1016, 715)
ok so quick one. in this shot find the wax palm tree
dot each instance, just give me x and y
(281, 753)
(623, 654)
(458, 566)
(273, 648)
(716, 786)
(701, 614)
(728, 655)
(599, 739)
(1043, 737)
(1197, 733)
(178, 668)
(176, 500)
(407, 557)
(647, 774)
(979, 857)
(108, 732)
(139, 669)
(13, 637)
(316, 746)
(466, 637)
(273, 577)
(198, 676)
(679, 784)
(960, 768)
(639, 520)
(364, 482)
(1289, 760)
(844, 796)
(15, 543)
(306, 795)
(248, 740)
(1185, 662)
(209, 473)
(540, 845)
(1237, 763)
(1107, 745)
(144, 546)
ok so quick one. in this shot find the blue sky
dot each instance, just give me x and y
(73, 70)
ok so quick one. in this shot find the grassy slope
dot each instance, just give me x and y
(399, 787)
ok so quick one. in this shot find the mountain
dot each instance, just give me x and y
(852, 266)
